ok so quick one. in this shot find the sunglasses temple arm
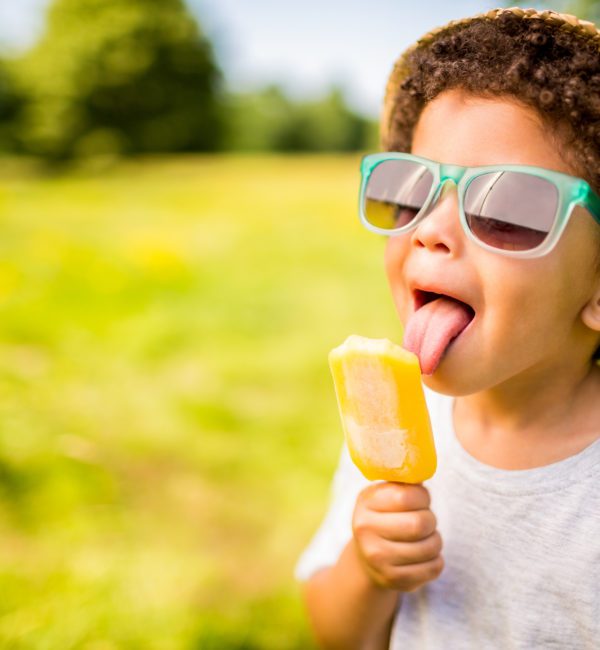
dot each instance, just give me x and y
(592, 201)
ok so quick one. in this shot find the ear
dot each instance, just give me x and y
(591, 312)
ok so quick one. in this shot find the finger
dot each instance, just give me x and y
(381, 553)
(405, 553)
(396, 497)
(411, 526)
(412, 576)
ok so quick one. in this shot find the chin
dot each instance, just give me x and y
(449, 379)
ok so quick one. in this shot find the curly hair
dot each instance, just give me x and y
(555, 71)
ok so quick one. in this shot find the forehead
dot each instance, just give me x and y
(469, 130)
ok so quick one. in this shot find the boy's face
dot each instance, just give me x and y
(529, 313)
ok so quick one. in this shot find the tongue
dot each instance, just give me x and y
(432, 328)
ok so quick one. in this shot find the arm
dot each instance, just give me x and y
(347, 609)
(395, 548)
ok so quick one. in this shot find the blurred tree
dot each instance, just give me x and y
(123, 76)
(10, 103)
(326, 125)
(585, 9)
(269, 121)
(256, 120)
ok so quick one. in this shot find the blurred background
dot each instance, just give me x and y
(179, 252)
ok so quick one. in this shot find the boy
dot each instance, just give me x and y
(494, 266)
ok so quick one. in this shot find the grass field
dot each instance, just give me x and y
(168, 422)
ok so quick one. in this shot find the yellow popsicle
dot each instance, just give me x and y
(383, 410)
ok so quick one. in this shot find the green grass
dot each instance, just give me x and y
(168, 422)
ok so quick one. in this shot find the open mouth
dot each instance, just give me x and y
(438, 319)
(422, 298)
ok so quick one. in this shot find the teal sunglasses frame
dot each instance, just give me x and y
(571, 190)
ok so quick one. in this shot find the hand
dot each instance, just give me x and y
(396, 537)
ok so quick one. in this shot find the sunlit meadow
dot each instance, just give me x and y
(168, 422)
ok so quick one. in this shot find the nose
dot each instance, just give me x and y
(440, 230)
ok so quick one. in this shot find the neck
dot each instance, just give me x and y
(532, 421)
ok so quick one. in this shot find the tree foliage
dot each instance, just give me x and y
(137, 76)
(267, 120)
(585, 9)
(10, 104)
(121, 76)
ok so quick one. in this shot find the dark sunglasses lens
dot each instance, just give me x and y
(511, 210)
(395, 192)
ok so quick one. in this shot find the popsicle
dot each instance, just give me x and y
(383, 410)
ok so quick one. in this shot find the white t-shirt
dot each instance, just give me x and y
(521, 550)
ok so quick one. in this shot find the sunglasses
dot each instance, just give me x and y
(514, 210)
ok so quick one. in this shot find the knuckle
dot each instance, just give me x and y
(436, 568)
(401, 499)
(359, 523)
(393, 495)
(432, 519)
(428, 522)
(436, 543)
(410, 497)
(416, 525)
(386, 582)
(399, 579)
(373, 554)
(367, 494)
(422, 494)
(406, 582)
(409, 578)
(363, 497)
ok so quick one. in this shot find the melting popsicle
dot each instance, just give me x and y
(383, 410)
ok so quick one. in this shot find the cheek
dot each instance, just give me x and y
(390, 259)
(533, 304)
(394, 259)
